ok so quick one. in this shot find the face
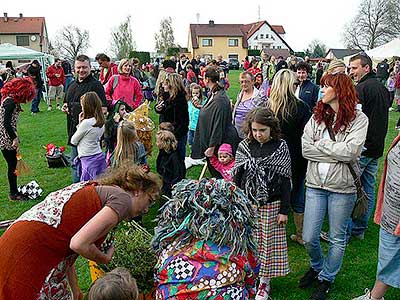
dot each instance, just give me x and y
(165, 86)
(357, 71)
(328, 94)
(224, 158)
(82, 68)
(122, 111)
(301, 75)
(196, 93)
(58, 64)
(219, 57)
(246, 84)
(103, 63)
(259, 80)
(126, 68)
(141, 202)
(261, 133)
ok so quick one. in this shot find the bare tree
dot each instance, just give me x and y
(122, 42)
(71, 41)
(376, 23)
(165, 39)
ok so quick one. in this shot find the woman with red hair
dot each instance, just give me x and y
(14, 92)
(333, 138)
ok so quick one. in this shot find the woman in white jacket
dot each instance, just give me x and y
(330, 185)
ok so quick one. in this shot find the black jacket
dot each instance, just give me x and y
(382, 70)
(309, 93)
(73, 96)
(171, 168)
(176, 112)
(375, 99)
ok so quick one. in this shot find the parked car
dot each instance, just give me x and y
(234, 64)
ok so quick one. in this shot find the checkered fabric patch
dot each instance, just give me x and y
(32, 190)
(182, 269)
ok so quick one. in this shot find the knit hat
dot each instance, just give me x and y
(169, 66)
(225, 148)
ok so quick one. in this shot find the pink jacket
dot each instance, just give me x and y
(381, 190)
(225, 170)
(127, 89)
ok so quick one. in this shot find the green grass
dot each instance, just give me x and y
(359, 265)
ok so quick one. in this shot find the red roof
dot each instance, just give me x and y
(22, 25)
(243, 30)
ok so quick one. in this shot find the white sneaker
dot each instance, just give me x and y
(197, 162)
(366, 296)
(263, 292)
(49, 108)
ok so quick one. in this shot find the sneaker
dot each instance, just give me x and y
(308, 279)
(263, 292)
(322, 290)
(49, 108)
(18, 197)
(366, 296)
(324, 235)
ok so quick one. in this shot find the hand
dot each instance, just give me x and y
(15, 144)
(58, 75)
(160, 105)
(209, 152)
(282, 219)
(64, 108)
(117, 117)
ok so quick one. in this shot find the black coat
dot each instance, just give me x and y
(375, 100)
(73, 96)
(214, 126)
(309, 93)
(176, 112)
(171, 168)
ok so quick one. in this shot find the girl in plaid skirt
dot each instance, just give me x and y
(263, 171)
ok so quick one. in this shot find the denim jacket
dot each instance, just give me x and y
(346, 149)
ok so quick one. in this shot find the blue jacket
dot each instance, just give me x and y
(309, 93)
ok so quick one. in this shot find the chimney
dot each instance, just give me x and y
(211, 23)
(21, 15)
(5, 17)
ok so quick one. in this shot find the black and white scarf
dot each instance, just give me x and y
(261, 171)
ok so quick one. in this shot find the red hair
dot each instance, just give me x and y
(22, 90)
(347, 97)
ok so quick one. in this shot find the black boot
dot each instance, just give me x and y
(308, 279)
(322, 290)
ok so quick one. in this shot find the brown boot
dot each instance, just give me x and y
(298, 222)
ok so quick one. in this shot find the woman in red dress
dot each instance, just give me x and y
(39, 249)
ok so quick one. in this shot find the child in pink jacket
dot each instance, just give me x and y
(225, 161)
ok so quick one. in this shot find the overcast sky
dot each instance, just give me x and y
(303, 20)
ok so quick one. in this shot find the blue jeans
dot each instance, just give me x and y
(369, 168)
(190, 137)
(36, 101)
(339, 207)
(182, 147)
(75, 172)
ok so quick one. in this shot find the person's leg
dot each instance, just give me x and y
(297, 203)
(59, 95)
(369, 169)
(11, 158)
(315, 210)
(36, 101)
(51, 95)
(182, 147)
(74, 169)
(340, 207)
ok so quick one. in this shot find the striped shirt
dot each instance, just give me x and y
(391, 204)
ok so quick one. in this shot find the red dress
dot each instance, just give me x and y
(33, 253)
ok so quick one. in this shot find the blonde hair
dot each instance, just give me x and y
(160, 79)
(336, 63)
(126, 148)
(282, 99)
(117, 284)
(175, 84)
(92, 108)
(122, 63)
(167, 139)
(131, 177)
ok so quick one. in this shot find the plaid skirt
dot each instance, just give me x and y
(272, 244)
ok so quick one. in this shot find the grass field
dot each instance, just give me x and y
(359, 266)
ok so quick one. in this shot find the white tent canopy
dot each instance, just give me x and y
(12, 52)
(378, 54)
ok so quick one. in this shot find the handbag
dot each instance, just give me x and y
(57, 160)
(361, 205)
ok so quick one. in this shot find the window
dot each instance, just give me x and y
(256, 38)
(236, 56)
(233, 42)
(266, 36)
(261, 36)
(22, 40)
(206, 42)
(279, 47)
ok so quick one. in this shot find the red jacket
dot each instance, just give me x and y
(397, 83)
(52, 73)
(106, 75)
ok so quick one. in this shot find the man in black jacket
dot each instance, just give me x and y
(374, 98)
(382, 71)
(306, 91)
(72, 105)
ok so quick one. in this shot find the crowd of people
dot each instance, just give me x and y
(286, 143)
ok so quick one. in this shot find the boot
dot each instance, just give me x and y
(298, 222)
